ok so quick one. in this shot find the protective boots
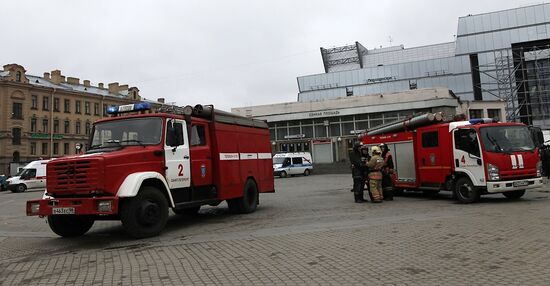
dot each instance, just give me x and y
(359, 198)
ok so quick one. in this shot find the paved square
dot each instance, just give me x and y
(308, 233)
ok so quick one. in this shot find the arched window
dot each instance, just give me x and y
(16, 157)
(135, 94)
(18, 76)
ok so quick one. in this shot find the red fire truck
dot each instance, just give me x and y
(138, 166)
(468, 158)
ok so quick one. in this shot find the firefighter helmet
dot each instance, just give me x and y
(376, 149)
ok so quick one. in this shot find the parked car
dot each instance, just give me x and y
(296, 163)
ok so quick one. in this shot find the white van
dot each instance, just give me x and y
(31, 177)
(297, 163)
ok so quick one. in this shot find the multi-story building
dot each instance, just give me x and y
(47, 116)
(502, 55)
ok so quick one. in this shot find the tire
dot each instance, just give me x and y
(187, 211)
(465, 191)
(307, 172)
(19, 189)
(248, 202)
(514, 195)
(398, 192)
(146, 214)
(283, 174)
(70, 225)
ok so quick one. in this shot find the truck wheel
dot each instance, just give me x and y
(248, 202)
(187, 211)
(307, 172)
(283, 174)
(465, 191)
(70, 225)
(144, 215)
(20, 188)
(514, 195)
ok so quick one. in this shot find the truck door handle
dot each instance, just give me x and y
(185, 157)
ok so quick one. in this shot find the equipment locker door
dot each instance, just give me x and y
(432, 171)
(176, 152)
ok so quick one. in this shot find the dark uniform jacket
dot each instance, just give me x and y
(356, 164)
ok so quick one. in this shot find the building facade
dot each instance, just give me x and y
(47, 116)
(328, 128)
(503, 55)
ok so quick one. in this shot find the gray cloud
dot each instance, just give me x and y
(228, 53)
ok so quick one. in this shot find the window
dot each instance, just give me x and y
(67, 128)
(56, 104)
(66, 148)
(178, 130)
(87, 107)
(34, 102)
(17, 110)
(96, 108)
(55, 148)
(198, 138)
(45, 125)
(297, 161)
(476, 113)
(56, 126)
(104, 109)
(429, 139)
(44, 148)
(466, 140)
(33, 124)
(16, 157)
(349, 91)
(16, 136)
(77, 127)
(18, 76)
(77, 107)
(33, 148)
(88, 127)
(67, 105)
(493, 113)
(45, 103)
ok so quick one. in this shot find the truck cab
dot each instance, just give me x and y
(137, 166)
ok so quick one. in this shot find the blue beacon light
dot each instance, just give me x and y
(128, 108)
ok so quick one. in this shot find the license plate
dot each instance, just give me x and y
(521, 183)
(62, 211)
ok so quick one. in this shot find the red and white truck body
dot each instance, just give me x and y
(191, 160)
(470, 158)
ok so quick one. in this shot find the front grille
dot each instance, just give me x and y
(518, 174)
(74, 176)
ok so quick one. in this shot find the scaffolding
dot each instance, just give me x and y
(521, 78)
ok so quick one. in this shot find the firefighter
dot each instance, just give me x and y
(387, 171)
(365, 157)
(357, 172)
(375, 164)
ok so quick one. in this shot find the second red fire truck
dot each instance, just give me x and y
(468, 158)
(139, 166)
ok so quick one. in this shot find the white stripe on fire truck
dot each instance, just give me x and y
(244, 156)
(514, 163)
(229, 156)
(249, 156)
(520, 161)
(264, 156)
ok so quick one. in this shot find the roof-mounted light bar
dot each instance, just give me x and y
(482, 120)
(128, 108)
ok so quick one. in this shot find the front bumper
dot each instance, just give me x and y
(11, 187)
(81, 206)
(506, 186)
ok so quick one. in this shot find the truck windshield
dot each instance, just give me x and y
(503, 139)
(133, 131)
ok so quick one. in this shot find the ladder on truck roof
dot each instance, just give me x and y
(208, 112)
(407, 124)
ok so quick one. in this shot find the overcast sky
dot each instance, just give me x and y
(226, 53)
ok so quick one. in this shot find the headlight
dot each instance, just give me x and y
(539, 169)
(492, 172)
